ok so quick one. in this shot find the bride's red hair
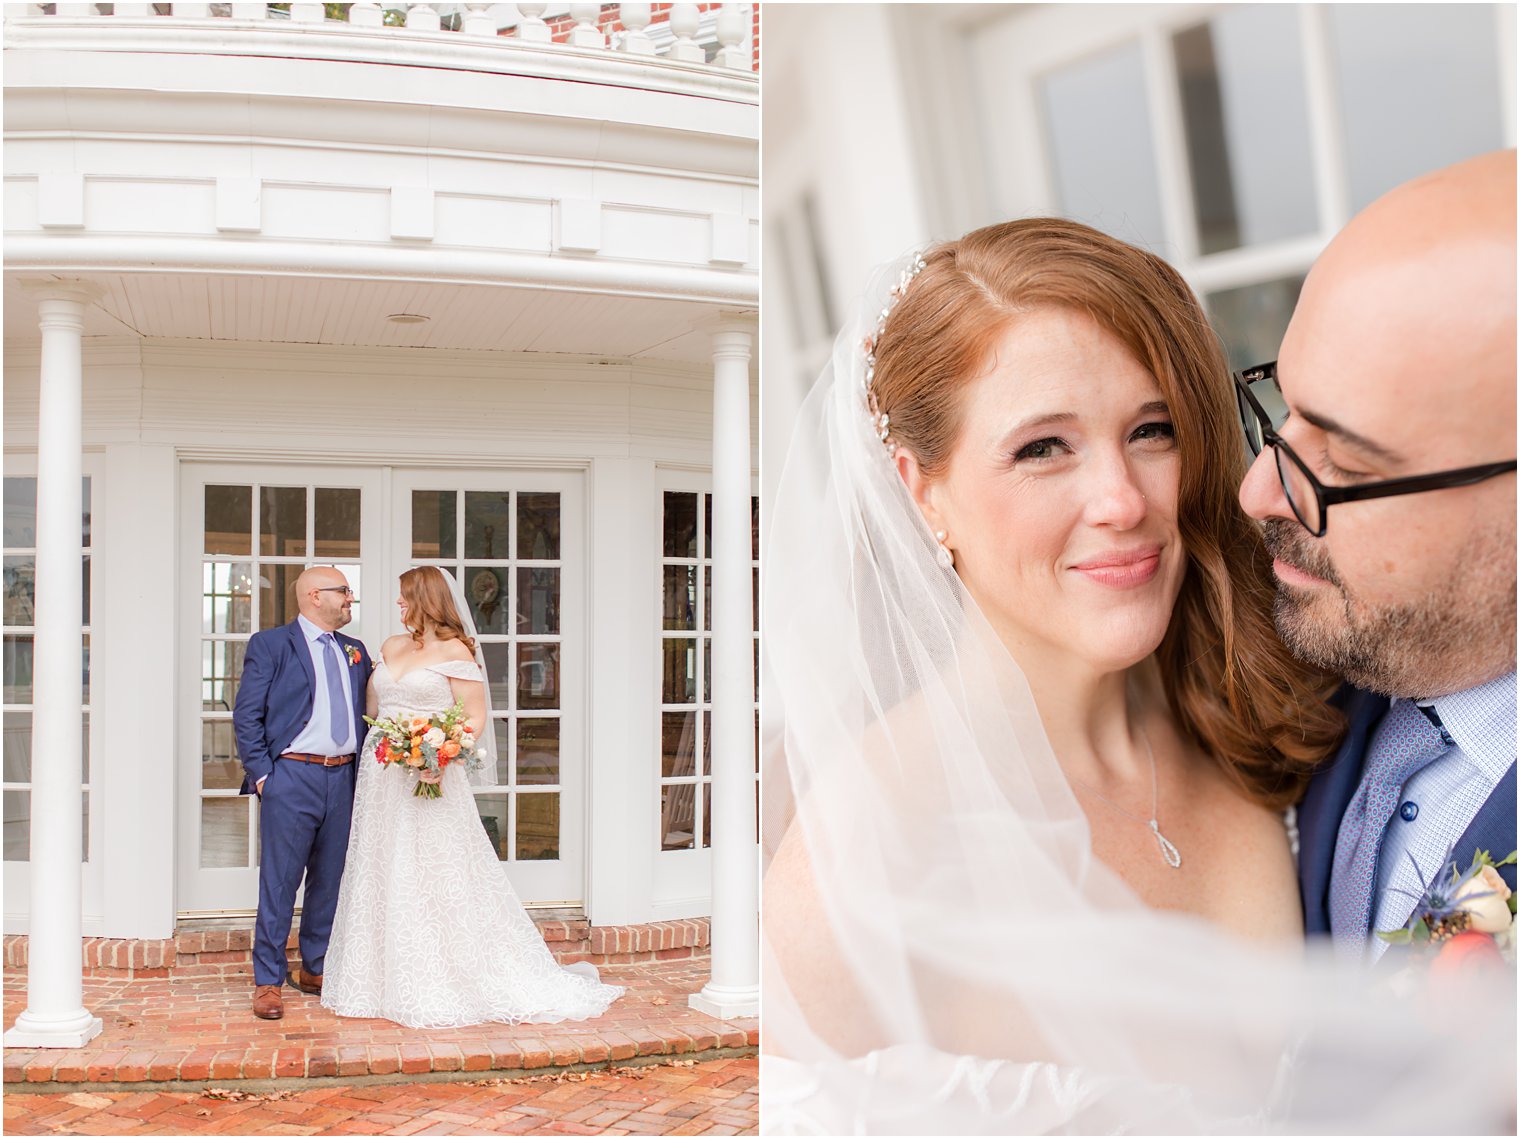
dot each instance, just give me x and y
(430, 604)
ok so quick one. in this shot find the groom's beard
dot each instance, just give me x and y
(1451, 638)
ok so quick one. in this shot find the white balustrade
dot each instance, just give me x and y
(586, 33)
(684, 21)
(636, 39)
(731, 22)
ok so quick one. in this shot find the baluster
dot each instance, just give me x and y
(190, 11)
(141, 9)
(683, 24)
(733, 23)
(477, 20)
(365, 15)
(241, 11)
(586, 33)
(532, 28)
(636, 40)
(307, 14)
(74, 10)
(422, 18)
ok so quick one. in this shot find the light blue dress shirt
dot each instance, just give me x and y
(1439, 802)
(315, 738)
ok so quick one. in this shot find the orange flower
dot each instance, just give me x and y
(415, 759)
(449, 749)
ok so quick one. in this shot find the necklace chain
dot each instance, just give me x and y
(1169, 852)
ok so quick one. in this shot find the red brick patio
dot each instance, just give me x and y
(198, 1028)
(715, 1097)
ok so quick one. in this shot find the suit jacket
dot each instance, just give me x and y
(275, 695)
(1330, 793)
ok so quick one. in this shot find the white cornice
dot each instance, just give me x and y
(70, 254)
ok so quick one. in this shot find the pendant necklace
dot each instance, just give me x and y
(1168, 849)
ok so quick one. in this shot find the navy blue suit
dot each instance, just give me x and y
(306, 808)
(1330, 793)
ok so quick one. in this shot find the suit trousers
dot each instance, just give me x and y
(304, 820)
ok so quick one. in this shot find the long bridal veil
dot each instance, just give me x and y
(947, 955)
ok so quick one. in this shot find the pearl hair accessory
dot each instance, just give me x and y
(878, 417)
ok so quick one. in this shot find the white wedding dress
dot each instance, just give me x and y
(429, 932)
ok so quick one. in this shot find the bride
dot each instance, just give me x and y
(429, 932)
(1030, 736)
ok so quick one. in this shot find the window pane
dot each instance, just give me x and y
(678, 744)
(501, 734)
(537, 526)
(1251, 320)
(224, 832)
(18, 747)
(706, 814)
(84, 492)
(538, 676)
(1419, 89)
(538, 601)
(498, 658)
(84, 760)
(84, 826)
(680, 597)
(707, 525)
(221, 670)
(337, 522)
(705, 716)
(282, 521)
(680, 524)
(707, 598)
(487, 590)
(20, 589)
(1246, 119)
(487, 524)
(220, 769)
(1097, 118)
(18, 826)
(277, 595)
(17, 656)
(538, 827)
(538, 751)
(754, 527)
(85, 661)
(227, 597)
(493, 817)
(433, 524)
(86, 599)
(229, 520)
(679, 671)
(677, 816)
(20, 512)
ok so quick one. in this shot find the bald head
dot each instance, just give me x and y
(322, 599)
(1400, 362)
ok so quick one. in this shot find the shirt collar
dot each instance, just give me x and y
(1482, 721)
(313, 633)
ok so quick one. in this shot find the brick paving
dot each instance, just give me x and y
(715, 1097)
(163, 1029)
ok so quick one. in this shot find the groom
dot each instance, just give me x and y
(1399, 362)
(299, 722)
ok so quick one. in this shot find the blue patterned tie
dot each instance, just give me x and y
(337, 705)
(1408, 741)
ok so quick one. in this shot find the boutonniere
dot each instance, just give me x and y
(353, 655)
(1462, 915)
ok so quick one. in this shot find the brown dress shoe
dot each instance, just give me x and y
(306, 982)
(267, 1004)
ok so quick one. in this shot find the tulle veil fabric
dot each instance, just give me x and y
(949, 957)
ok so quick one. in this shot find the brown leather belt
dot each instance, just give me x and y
(324, 760)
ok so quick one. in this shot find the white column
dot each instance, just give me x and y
(734, 988)
(55, 1016)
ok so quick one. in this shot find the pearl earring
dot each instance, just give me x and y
(946, 556)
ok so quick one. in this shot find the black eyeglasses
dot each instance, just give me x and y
(343, 589)
(1311, 499)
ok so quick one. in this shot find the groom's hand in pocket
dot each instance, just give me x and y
(259, 787)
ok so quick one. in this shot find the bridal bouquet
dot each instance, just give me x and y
(425, 745)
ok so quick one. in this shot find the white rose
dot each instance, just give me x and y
(1490, 913)
(434, 737)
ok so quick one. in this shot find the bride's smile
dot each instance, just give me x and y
(1059, 498)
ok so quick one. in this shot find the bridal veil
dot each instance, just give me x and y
(948, 956)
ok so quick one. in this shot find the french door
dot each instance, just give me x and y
(247, 531)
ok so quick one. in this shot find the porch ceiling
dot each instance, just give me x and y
(303, 310)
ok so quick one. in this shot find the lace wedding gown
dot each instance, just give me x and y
(429, 932)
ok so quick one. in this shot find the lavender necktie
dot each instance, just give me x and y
(337, 704)
(1407, 741)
